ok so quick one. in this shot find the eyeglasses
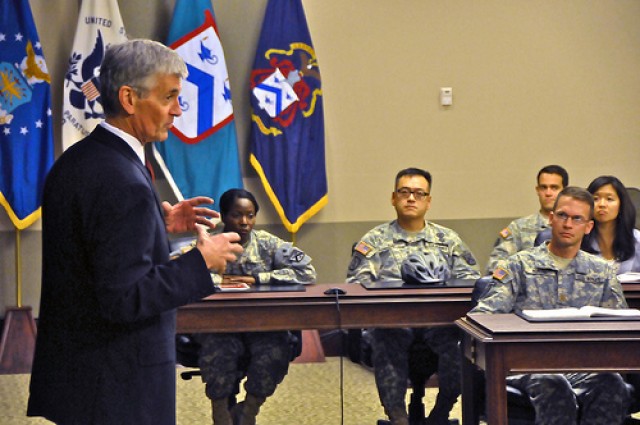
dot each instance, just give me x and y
(576, 219)
(405, 192)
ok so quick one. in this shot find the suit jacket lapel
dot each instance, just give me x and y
(106, 137)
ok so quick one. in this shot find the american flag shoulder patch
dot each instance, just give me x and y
(505, 232)
(499, 273)
(363, 248)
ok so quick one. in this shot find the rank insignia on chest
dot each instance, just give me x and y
(363, 248)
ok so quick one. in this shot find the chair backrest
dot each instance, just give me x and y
(634, 194)
(480, 289)
(542, 236)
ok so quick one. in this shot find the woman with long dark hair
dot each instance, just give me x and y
(614, 236)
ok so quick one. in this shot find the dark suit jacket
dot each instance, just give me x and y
(105, 350)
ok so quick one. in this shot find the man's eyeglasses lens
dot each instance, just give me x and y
(419, 195)
(577, 219)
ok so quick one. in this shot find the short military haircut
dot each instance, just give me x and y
(228, 198)
(135, 63)
(554, 169)
(578, 194)
(412, 171)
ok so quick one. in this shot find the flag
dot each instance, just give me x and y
(201, 152)
(99, 25)
(26, 137)
(287, 130)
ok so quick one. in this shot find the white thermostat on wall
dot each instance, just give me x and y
(446, 96)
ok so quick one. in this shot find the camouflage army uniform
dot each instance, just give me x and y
(379, 256)
(531, 280)
(269, 352)
(520, 234)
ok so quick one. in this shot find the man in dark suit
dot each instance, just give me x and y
(105, 348)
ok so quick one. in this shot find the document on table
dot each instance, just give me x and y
(583, 313)
(629, 277)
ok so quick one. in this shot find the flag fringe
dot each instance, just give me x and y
(18, 223)
(291, 227)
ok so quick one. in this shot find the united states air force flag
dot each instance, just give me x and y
(287, 131)
(99, 25)
(26, 139)
(201, 152)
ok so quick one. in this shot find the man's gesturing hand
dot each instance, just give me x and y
(218, 249)
(184, 215)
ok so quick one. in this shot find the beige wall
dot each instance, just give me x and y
(534, 82)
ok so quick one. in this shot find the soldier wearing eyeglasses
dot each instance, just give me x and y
(554, 275)
(521, 233)
(378, 257)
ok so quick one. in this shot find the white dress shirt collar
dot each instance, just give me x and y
(135, 144)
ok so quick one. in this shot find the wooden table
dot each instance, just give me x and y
(501, 344)
(632, 294)
(312, 309)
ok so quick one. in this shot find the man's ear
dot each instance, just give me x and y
(127, 98)
(589, 227)
(428, 202)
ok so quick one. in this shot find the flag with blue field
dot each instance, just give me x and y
(287, 130)
(26, 137)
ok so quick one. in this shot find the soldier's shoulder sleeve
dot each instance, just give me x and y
(364, 248)
(498, 297)
(504, 233)
(363, 265)
(501, 274)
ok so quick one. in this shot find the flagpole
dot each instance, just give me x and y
(19, 333)
(18, 270)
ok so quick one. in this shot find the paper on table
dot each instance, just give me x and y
(233, 287)
(586, 312)
(629, 277)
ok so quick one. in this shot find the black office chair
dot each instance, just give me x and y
(188, 351)
(634, 194)
(520, 411)
(542, 237)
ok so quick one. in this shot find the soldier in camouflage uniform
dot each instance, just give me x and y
(521, 233)
(555, 275)
(379, 256)
(266, 259)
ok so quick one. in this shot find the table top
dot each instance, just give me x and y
(312, 309)
(490, 328)
(435, 305)
(357, 291)
(353, 291)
